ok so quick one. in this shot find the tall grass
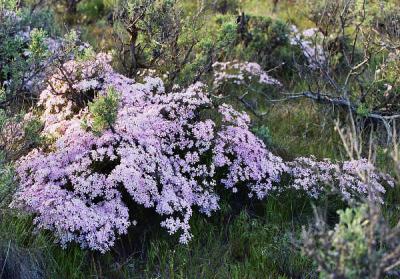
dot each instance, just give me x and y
(248, 242)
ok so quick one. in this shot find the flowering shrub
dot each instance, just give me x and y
(159, 153)
(241, 73)
(147, 147)
(70, 89)
(351, 179)
(308, 41)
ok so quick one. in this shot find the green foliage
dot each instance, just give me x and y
(366, 65)
(349, 241)
(72, 46)
(385, 89)
(178, 44)
(362, 110)
(262, 39)
(11, 5)
(226, 34)
(361, 245)
(210, 48)
(22, 53)
(7, 184)
(264, 133)
(37, 46)
(92, 9)
(161, 35)
(278, 32)
(104, 111)
(42, 19)
(32, 130)
(271, 42)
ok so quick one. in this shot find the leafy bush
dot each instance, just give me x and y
(360, 64)
(23, 52)
(267, 41)
(155, 34)
(264, 133)
(104, 111)
(361, 245)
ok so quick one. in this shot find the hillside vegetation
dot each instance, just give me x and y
(199, 139)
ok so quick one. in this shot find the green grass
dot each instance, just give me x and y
(286, 10)
(303, 129)
(254, 243)
(30, 251)
(251, 241)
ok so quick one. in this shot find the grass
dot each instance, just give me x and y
(302, 128)
(36, 255)
(286, 10)
(251, 241)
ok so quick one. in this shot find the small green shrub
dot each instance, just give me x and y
(104, 110)
(22, 51)
(361, 245)
(264, 133)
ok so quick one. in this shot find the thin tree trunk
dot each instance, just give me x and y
(132, 50)
(72, 7)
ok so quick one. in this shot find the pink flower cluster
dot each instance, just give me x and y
(350, 179)
(71, 87)
(162, 154)
(241, 73)
(165, 151)
(311, 48)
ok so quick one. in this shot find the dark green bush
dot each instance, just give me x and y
(22, 52)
